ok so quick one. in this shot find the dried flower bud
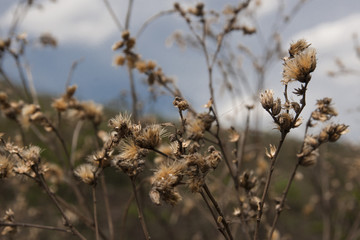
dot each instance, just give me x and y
(234, 136)
(119, 60)
(276, 108)
(117, 45)
(309, 159)
(181, 103)
(285, 121)
(267, 99)
(47, 39)
(298, 47)
(271, 152)
(125, 35)
(248, 180)
(296, 107)
(70, 91)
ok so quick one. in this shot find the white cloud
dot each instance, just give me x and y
(330, 36)
(82, 21)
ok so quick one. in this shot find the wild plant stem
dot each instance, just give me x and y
(218, 209)
(267, 185)
(22, 76)
(30, 225)
(56, 202)
(95, 212)
(107, 207)
(220, 228)
(113, 15)
(140, 212)
(282, 201)
(242, 148)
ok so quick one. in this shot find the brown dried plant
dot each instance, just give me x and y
(192, 162)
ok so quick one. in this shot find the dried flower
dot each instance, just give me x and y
(300, 67)
(165, 179)
(5, 167)
(298, 47)
(270, 153)
(234, 136)
(86, 172)
(150, 137)
(267, 99)
(119, 60)
(131, 158)
(309, 159)
(180, 103)
(121, 124)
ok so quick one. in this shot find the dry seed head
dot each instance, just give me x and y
(247, 180)
(234, 136)
(131, 43)
(150, 137)
(310, 159)
(86, 172)
(60, 104)
(31, 154)
(119, 60)
(93, 111)
(271, 152)
(141, 66)
(5, 167)
(276, 108)
(121, 123)
(117, 45)
(285, 121)
(47, 39)
(195, 129)
(300, 67)
(125, 35)
(214, 158)
(70, 91)
(21, 168)
(336, 130)
(130, 151)
(298, 47)
(298, 122)
(180, 103)
(311, 141)
(267, 99)
(150, 65)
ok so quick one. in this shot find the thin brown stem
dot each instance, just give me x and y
(95, 212)
(113, 15)
(242, 147)
(22, 76)
(220, 228)
(57, 204)
(128, 14)
(218, 209)
(267, 185)
(133, 95)
(30, 225)
(140, 212)
(151, 19)
(107, 207)
(72, 69)
(123, 219)
(282, 201)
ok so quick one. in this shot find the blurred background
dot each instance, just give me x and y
(85, 32)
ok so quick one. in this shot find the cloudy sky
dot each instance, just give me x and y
(85, 30)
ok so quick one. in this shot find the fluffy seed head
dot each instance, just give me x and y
(86, 172)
